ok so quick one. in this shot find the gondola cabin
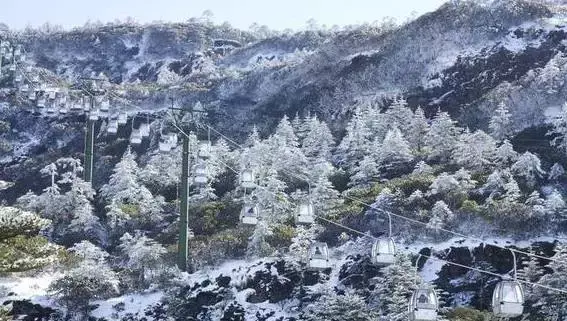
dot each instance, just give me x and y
(305, 213)
(112, 127)
(318, 256)
(249, 214)
(247, 179)
(122, 118)
(205, 150)
(165, 143)
(424, 304)
(384, 251)
(145, 130)
(135, 137)
(200, 174)
(508, 299)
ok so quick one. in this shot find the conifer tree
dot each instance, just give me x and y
(393, 289)
(142, 255)
(418, 129)
(528, 166)
(474, 151)
(22, 247)
(501, 124)
(559, 130)
(442, 137)
(88, 277)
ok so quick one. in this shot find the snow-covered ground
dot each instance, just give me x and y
(33, 288)
(132, 303)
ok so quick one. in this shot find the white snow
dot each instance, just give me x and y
(133, 303)
(33, 288)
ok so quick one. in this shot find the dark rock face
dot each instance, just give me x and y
(27, 311)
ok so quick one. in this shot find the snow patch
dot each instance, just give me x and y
(133, 303)
(33, 288)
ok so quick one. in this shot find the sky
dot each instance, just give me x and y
(282, 14)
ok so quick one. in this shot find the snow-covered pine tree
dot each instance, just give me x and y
(528, 166)
(71, 213)
(258, 245)
(531, 271)
(88, 277)
(131, 204)
(300, 242)
(552, 304)
(556, 172)
(367, 170)
(559, 130)
(505, 155)
(334, 307)
(418, 129)
(442, 137)
(554, 205)
(271, 197)
(319, 141)
(284, 152)
(142, 256)
(501, 124)
(21, 246)
(474, 151)
(393, 289)
(400, 115)
(324, 195)
(356, 143)
(394, 152)
(441, 214)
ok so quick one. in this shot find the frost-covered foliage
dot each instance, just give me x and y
(130, 204)
(393, 289)
(552, 304)
(142, 256)
(442, 137)
(88, 277)
(334, 307)
(21, 246)
(441, 214)
(528, 167)
(67, 202)
(559, 130)
(474, 151)
(500, 124)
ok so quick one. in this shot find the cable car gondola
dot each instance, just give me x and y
(145, 130)
(249, 214)
(508, 297)
(423, 304)
(200, 174)
(94, 115)
(247, 179)
(135, 137)
(112, 127)
(122, 118)
(384, 249)
(305, 213)
(164, 143)
(205, 150)
(318, 256)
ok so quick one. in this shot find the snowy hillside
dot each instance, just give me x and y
(331, 174)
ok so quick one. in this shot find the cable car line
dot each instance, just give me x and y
(398, 215)
(416, 253)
